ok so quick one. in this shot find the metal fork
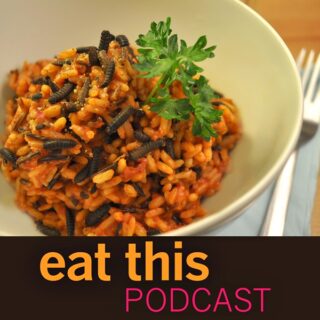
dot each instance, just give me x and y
(277, 210)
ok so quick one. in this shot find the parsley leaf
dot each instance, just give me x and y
(161, 55)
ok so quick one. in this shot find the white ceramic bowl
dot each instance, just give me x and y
(252, 65)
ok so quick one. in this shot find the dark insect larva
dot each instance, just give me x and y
(105, 39)
(27, 157)
(8, 155)
(70, 107)
(82, 174)
(152, 232)
(93, 57)
(145, 204)
(119, 120)
(118, 229)
(121, 100)
(108, 167)
(53, 157)
(162, 175)
(140, 136)
(103, 59)
(110, 68)
(169, 148)
(53, 181)
(122, 40)
(59, 144)
(216, 148)
(109, 138)
(94, 189)
(138, 114)
(198, 171)
(85, 49)
(46, 81)
(95, 162)
(146, 148)
(62, 93)
(54, 88)
(35, 136)
(63, 112)
(48, 231)
(40, 126)
(218, 94)
(36, 204)
(131, 52)
(123, 55)
(95, 217)
(74, 201)
(60, 63)
(70, 222)
(21, 130)
(36, 96)
(176, 219)
(138, 188)
(40, 80)
(24, 181)
(115, 112)
(130, 209)
(84, 195)
(84, 91)
(82, 63)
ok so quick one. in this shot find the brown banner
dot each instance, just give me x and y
(159, 278)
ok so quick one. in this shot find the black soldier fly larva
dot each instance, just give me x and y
(103, 59)
(95, 217)
(140, 136)
(60, 63)
(93, 57)
(46, 230)
(85, 49)
(146, 148)
(70, 222)
(7, 155)
(54, 88)
(105, 39)
(53, 181)
(53, 157)
(59, 144)
(109, 72)
(36, 96)
(84, 91)
(27, 157)
(169, 148)
(62, 93)
(119, 119)
(95, 162)
(83, 174)
(122, 40)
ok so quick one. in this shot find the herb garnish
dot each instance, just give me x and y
(161, 55)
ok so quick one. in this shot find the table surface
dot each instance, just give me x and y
(298, 23)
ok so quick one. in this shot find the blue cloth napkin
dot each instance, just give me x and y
(300, 205)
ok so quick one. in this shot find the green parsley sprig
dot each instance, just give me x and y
(160, 55)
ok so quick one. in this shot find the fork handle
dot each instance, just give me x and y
(278, 207)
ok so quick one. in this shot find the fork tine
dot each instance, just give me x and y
(313, 80)
(307, 70)
(317, 97)
(300, 58)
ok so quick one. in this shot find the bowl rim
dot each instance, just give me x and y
(236, 208)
